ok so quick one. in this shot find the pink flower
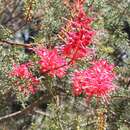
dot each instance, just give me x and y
(76, 45)
(77, 41)
(21, 72)
(97, 80)
(51, 62)
(32, 89)
(82, 20)
(35, 81)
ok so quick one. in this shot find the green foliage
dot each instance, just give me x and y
(64, 111)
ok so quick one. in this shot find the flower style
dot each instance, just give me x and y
(22, 73)
(51, 62)
(97, 80)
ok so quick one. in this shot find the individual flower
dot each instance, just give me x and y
(51, 62)
(97, 80)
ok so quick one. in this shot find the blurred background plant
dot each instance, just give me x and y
(38, 23)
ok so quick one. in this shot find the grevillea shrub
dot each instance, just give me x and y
(53, 90)
(96, 80)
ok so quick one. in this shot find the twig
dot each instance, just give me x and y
(29, 10)
(27, 110)
(42, 113)
(121, 97)
(44, 99)
(88, 124)
(17, 44)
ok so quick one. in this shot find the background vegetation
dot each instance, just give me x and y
(55, 108)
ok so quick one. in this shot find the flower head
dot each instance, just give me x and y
(20, 71)
(97, 80)
(80, 36)
(51, 62)
(29, 82)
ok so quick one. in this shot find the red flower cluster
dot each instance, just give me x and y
(22, 74)
(21, 71)
(79, 38)
(51, 62)
(96, 80)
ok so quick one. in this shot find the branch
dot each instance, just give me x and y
(16, 44)
(42, 113)
(88, 124)
(27, 110)
(121, 97)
